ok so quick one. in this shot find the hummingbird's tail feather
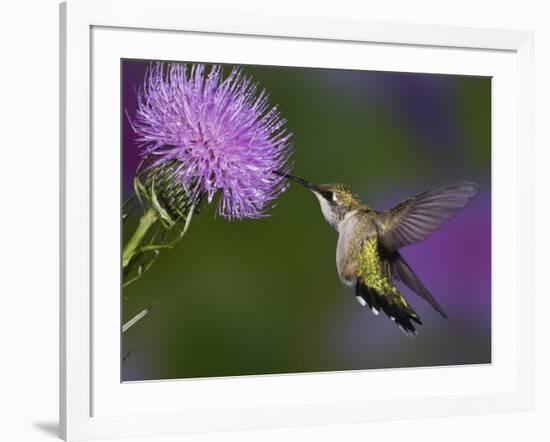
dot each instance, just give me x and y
(401, 271)
(392, 303)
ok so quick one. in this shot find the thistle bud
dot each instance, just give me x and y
(163, 191)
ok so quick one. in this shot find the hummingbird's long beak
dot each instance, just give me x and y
(304, 183)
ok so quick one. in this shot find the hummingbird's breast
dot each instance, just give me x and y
(353, 230)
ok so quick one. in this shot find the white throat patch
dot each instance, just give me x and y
(329, 215)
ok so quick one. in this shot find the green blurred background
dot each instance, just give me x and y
(263, 296)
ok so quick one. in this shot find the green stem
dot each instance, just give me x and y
(147, 220)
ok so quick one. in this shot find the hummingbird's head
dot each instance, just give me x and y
(336, 200)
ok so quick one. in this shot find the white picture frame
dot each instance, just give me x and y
(92, 406)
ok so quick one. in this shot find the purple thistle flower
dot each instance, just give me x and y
(223, 132)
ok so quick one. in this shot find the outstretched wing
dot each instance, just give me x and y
(401, 271)
(412, 220)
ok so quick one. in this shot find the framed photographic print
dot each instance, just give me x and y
(277, 221)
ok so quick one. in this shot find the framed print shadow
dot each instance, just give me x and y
(290, 226)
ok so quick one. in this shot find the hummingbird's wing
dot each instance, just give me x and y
(374, 287)
(413, 219)
(401, 271)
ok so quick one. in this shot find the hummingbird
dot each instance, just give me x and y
(367, 252)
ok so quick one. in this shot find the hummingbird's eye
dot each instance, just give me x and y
(328, 195)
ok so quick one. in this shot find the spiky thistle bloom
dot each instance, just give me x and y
(222, 131)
